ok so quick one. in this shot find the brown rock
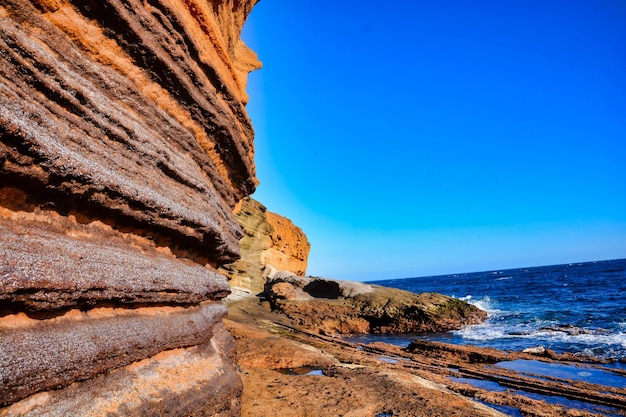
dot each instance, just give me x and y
(124, 148)
(282, 291)
(341, 307)
(275, 361)
(129, 112)
(261, 349)
(198, 381)
(59, 264)
(38, 355)
(270, 242)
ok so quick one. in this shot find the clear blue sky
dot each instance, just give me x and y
(412, 138)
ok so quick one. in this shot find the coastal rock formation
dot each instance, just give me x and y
(290, 248)
(273, 261)
(344, 307)
(288, 371)
(124, 148)
(270, 242)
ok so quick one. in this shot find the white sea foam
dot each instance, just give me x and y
(481, 332)
(484, 303)
(574, 308)
(610, 344)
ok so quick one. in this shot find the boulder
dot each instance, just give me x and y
(537, 350)
(283, 291)
(344, 307)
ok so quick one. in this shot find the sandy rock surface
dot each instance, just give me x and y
(274, 364)
(289, 371)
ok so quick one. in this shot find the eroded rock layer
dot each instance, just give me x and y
(55, 264)
(171, 383)
(124, 148)
(270, 242)
(131, 111)
(90, 343)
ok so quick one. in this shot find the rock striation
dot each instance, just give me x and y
(342, 307)
(124, 148)
(270, 242)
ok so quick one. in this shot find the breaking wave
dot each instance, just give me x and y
(576, 308)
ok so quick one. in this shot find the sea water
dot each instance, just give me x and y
(578, 308)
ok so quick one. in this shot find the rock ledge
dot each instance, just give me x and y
(344, 307)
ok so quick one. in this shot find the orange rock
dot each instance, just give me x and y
(132, 111)
(270, 241)
(290, 247)
(124, 148)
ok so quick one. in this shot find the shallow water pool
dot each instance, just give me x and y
(534, 368)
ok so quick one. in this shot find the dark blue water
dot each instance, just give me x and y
(578, 308)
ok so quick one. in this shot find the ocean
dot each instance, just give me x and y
(578, 308)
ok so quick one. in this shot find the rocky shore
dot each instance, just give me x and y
(289, 370)
(126, 162)
(341, 307)
(293, 360)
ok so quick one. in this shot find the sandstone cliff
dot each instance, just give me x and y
(124, 148)
(270, 241)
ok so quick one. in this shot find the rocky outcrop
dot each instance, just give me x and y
(273, 261)
(344, 307)
(290, 247)
(270, 242)
(291, 372)
(124, 148)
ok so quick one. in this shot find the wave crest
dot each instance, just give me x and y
(484, 303)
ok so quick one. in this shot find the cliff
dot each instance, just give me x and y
(270, 241)
(273, 262)
(124, 148)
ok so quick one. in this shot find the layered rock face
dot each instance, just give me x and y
(344, 307)
(124, 148)
(270, 242)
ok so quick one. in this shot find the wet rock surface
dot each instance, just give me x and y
(343, 307)
(426, 379)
